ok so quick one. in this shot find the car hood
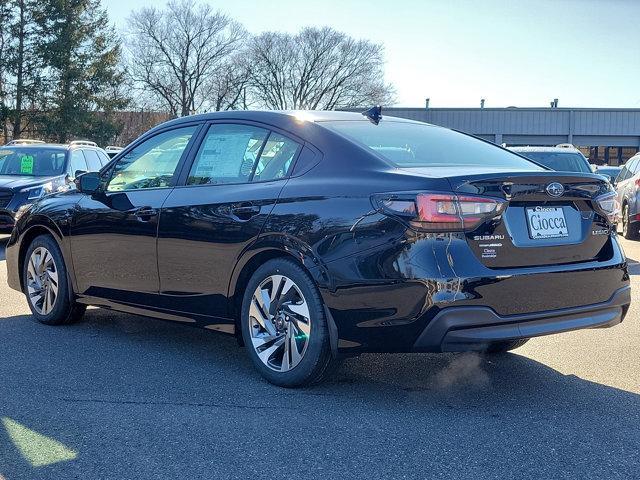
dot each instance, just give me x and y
(15, 182)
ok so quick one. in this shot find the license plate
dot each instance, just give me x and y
(546, 222)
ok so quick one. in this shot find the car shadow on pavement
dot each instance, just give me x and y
(116, 387)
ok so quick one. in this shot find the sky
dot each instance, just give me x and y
(519, 53)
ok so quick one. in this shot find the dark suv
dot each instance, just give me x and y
(30, 169)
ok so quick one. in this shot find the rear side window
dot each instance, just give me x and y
(421, 145)
(93, 161)
(228, 154)
(276, 158)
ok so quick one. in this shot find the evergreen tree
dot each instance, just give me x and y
(81, 54)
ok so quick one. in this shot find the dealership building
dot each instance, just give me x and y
(605, 135)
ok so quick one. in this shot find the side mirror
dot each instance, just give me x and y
(88, 183)
(78, 173)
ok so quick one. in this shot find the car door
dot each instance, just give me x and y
(218, 210)
(113, 234)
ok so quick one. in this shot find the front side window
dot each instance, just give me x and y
(77, 162)
(93, 161)
(153, 163)
(228, 154)
(406, 144)
(104, 158)
(32, 162)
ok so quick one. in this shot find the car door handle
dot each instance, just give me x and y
(245, 210)
(145, 214)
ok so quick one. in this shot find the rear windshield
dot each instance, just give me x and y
(421, 145)
(32, 162)
(560, 161)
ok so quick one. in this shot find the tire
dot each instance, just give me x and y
(507, 345)
(50, 281)
(630, 231)
(287, 350)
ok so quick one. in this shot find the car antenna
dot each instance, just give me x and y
(374, 114)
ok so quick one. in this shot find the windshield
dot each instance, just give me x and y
(32, 162)
(422, 145)
(560, 161)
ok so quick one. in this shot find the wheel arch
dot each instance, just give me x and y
(33, 231)
(260, 253)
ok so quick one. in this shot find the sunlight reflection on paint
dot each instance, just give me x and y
(37, 449)
(303, 116)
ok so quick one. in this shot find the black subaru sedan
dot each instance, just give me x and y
(316, 235)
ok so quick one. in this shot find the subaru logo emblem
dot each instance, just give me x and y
(555, 189)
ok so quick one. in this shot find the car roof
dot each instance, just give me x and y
(33, 146)
(57, 146)
(278, 116)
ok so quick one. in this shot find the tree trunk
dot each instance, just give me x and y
(17, 114)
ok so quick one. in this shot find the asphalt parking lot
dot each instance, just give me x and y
(119, 396)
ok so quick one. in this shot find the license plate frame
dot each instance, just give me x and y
(545, 222)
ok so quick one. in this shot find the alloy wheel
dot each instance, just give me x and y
(625, 221)
(279, 323)
(42, 281)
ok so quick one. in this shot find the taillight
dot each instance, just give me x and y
(440, 212)
(637, 182)
(608, 204)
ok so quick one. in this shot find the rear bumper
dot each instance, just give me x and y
(457, 329)
(392, 299)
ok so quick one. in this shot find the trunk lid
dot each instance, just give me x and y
(550, 218)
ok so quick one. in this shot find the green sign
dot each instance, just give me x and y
(26, 164)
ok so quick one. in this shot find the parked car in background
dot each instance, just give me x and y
(562, 158)
(319, 234)
(112, 150)
(628, 190)
(28, 171)
(610, 172)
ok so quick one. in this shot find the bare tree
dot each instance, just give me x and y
(178, 54)
(227, 89)
(319, 68)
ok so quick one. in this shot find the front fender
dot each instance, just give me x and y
(26, 229)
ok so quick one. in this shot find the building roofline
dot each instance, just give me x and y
(514, 109)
